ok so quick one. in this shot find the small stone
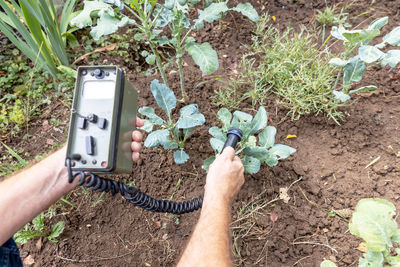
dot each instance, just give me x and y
(165, 237)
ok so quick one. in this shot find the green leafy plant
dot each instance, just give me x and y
(329, 17)
(150, 18)
(172, 135)
(33, 27)
(373, 221)
(38, 229)
(366, 56)
(252, 154)
(272, 65)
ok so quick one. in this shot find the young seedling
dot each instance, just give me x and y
(38, 229)
(150, 19)
(172, 135)
(252, 154)
(354, 67)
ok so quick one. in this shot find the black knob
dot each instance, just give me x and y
(99, 74)
(234, 135)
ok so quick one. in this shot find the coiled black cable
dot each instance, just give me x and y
(132, 194)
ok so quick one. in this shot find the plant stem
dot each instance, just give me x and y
(159, 63)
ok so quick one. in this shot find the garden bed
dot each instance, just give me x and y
(328, 172)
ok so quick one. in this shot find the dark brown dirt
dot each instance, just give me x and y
(328, 171)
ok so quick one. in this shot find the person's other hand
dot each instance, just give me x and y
(136, 140)
(225, 177)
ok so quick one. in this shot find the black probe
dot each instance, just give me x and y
(138, 198)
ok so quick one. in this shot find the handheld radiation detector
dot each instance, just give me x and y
(103, 117)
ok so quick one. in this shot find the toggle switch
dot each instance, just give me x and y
(89, 141)
(82, 123)
(102, 123)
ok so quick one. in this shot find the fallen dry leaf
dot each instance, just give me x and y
(39, 244)
(158, 224)
(29, 260)
(344, 213)
(283, 194)
(362, 247)
(49, 141)
(289, 136)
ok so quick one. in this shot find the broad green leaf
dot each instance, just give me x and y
(259, 121)
(149, 112)
(379, 23)
(164, 96)
(340, 96)
(369, 88)
(392, 58)
(247, 10)
(338, 62)
(83, 19)
(328, 263)
(225, 117)
(393, 37)
(368, 35)
(242, 121)
(190, 117)
(38, 222)
(337, 33)
(251, 165)
(156, 138)
(353, 36)
(396, 236)
(207, 163)
(217, 133)
(353, 71)
(170, 145)
(369, 53)
(211, 13)
(56, 230)
(257, 152)
(371, 259)
(217, 145)
(147, 127)
(118, 3)
(180, 156)
(373, 221)
(271, 160)
(23, 236)
(107, 24)
(204, 56)
(282, 151)
(267, 137)
(151, 59)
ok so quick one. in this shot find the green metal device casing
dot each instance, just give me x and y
(97, 146)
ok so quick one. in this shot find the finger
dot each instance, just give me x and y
(139, 122)
(135, 156)
(137, 136)
(228, 153)
(136, 147)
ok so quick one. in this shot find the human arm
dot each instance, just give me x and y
(210, 242)
(26, 194)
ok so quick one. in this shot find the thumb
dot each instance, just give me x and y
(228, 153)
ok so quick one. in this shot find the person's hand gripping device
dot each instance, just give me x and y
(103, 117)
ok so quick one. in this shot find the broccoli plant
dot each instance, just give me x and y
(353, 67)
(373, 221)
(252, 154)
(171, 135)
(151, 18)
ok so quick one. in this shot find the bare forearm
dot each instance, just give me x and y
(25, 195)
(210, 242)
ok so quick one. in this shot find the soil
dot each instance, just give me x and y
(328, 171)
